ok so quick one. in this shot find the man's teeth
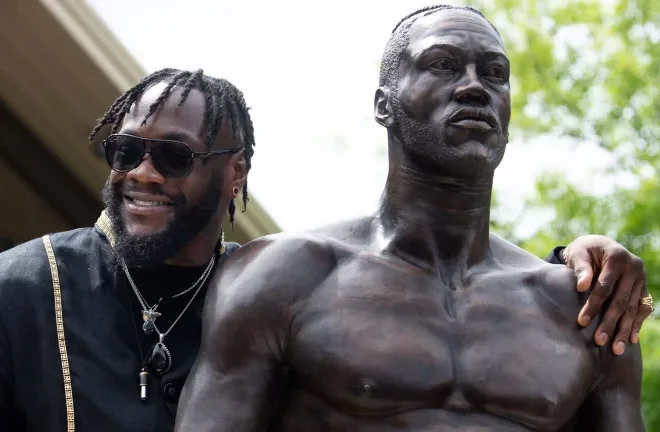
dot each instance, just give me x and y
(149, 203)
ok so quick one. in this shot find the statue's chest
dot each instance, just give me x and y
(377, 339)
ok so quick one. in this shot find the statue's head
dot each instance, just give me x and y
(444, 91)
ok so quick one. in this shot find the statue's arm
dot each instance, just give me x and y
(615, 405)
(228, 387)
(245, 328)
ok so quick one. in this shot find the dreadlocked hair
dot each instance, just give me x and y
(389, 69)
(222, 98)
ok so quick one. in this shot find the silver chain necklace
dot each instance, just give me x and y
(159, 356)
(149, 313)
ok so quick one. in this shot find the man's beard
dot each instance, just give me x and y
(153, 249)
(426, 145)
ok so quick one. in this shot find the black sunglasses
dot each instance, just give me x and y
(173, 159)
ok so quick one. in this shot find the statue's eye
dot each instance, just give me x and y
(441, 64)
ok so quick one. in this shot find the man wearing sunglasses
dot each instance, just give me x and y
(172, 159)
(99, 327)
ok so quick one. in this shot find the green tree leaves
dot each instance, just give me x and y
(590, 70)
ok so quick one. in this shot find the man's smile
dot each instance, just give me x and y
(144, 204)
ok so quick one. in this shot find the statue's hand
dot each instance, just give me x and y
(616, 277)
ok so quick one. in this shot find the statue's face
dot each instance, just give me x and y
(452, 102)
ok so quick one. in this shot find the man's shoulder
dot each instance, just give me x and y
(76, 238)
(26, 264)
(14, 261)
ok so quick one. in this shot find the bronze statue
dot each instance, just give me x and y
(416, 318)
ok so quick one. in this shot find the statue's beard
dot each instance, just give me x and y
(153, 249)
(426, 144)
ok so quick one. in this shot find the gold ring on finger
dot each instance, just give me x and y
(647, 301)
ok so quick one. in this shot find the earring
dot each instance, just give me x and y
(235, 191)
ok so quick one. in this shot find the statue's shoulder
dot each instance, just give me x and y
(312, 247)
(537, 273)
(286, 265)
(508, 252)
(353, 233)
(281, 253)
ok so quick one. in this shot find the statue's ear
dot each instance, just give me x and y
(383, 107)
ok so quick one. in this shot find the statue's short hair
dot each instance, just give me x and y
(389, 67)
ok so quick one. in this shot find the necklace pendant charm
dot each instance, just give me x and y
(149, 317)
(159, 359)
(144, 382)
(148, 327)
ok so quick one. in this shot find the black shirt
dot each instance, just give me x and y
(104, 338)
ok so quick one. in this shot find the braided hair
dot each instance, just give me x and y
(222, 98)
(389, 69)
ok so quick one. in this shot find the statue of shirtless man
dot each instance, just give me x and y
(417, 318)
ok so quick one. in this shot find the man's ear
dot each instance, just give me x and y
(383, 112)
(238, 173)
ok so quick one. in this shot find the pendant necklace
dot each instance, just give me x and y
(159, 359)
